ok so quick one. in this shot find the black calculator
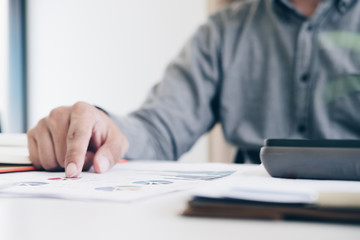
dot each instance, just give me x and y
(312, 159)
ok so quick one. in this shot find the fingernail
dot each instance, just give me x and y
(71, 170)
(104, 164)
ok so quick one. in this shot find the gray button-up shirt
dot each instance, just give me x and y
(262, 70)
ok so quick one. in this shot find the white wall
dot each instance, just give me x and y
(105, 52)
(4, 59)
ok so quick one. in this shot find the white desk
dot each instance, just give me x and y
(156, 218)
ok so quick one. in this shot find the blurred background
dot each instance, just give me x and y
(104, 52)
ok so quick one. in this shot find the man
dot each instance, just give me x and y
(263, 69)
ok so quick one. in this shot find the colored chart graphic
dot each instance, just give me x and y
(119, 188)
(33, 184)
(64, 178)
(153, 182)
(196, 175)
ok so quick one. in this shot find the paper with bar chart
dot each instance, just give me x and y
(126, 182)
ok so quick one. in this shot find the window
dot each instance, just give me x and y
(4, 43)
(13, 71)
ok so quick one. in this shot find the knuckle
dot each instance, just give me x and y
(80, 107)
(57, 114)
(42, 123)
(30, 133)
(56, 119)
(40, 128)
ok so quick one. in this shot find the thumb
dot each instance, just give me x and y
(109, 154)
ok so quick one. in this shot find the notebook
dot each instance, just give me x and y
(14, 155)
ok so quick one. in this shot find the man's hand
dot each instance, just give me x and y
(75, 138)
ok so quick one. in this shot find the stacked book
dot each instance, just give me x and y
(260, 196)
(14, 155)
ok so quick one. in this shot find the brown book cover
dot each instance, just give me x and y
(235, 208)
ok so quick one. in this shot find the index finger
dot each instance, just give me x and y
(78, 138)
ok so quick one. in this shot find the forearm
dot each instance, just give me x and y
(182, 107)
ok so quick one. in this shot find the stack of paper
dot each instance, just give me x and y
(126, 182)
(264, 197)
(14, 155)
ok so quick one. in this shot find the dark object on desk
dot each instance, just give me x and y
(247, 156)
(312, 159)
(235, 208)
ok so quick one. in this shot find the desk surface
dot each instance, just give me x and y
(157, 218)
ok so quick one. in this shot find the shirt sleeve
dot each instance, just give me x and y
(183, 106)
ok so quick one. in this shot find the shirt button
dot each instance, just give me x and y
(304, 77)
(309, 28)
(342, 6)
(301, 128)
